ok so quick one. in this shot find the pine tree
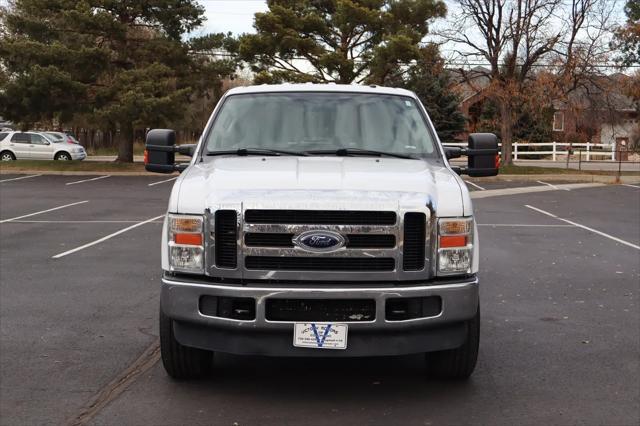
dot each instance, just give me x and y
(120, 64)
(342, 41)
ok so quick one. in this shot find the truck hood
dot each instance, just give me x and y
(319, 183)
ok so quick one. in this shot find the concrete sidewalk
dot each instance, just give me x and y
(600, 165)
(136, 158)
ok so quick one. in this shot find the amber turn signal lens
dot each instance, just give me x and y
(448, 241)
(448, 227)
(186, 224)
(188, 239)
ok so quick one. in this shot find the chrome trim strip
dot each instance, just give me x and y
(299, 252)
(341, 229)
(326, 290)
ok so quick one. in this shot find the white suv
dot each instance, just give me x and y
(37, 146)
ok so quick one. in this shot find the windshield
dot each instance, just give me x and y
(321, 121)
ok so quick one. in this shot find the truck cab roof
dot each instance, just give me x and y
(326, 87)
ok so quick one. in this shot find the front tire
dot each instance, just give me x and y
(63, 156)
(7, 156)
(181, 362)
(458, 363)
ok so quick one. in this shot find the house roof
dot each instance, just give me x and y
(469, 83)
(601, 93)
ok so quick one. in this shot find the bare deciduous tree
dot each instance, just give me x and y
(514, 37)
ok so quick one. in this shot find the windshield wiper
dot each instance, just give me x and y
(257, 151)
(342, 152)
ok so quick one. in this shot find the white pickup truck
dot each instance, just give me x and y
(319, 220)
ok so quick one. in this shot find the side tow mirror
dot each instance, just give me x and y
(160, 149)
(483, 153)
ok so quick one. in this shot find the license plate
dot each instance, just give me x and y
(320, 335)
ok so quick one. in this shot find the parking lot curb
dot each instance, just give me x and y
(558, 177)
(78, 173)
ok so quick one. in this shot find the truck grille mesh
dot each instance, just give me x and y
(414, 241)
(275, 263)
(226, 232)
(320, 310)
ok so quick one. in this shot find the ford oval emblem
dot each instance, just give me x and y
(319, 241)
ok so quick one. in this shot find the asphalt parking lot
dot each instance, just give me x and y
(79, 293)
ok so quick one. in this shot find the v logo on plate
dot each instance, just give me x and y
(320, 340)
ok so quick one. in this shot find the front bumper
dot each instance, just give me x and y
(78, 155)
(447, 330)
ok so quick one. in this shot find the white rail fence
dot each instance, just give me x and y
(557, 149)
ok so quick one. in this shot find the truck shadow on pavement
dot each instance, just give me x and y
(304, 378)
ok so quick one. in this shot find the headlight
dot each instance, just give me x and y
(186, 243)
(455, 245)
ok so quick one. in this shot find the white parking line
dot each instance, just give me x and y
(163, 181)
(84, 221)
(43, 211)
(517, 225)
(18, 178)
(88, 180)
(631, 186)
(552, 186)
(477, 186)
(595, 231)
(530, 189)
(105, 238)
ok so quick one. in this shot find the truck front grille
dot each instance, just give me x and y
(321, 217)
(275, 263)
(265, 244)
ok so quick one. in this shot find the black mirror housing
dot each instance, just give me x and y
(452, 152)
(483, 155)
(160, 151)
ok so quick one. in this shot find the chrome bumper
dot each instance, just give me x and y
(180, 302)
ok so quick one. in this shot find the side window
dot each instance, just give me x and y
(20, 138)
(37, 139)
(3, 135)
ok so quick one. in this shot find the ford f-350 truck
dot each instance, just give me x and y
(319, 220)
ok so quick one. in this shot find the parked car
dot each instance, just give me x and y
(37, 146)
(333, 212)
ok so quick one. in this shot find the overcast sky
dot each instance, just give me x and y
(236, 15)
(231, 15)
